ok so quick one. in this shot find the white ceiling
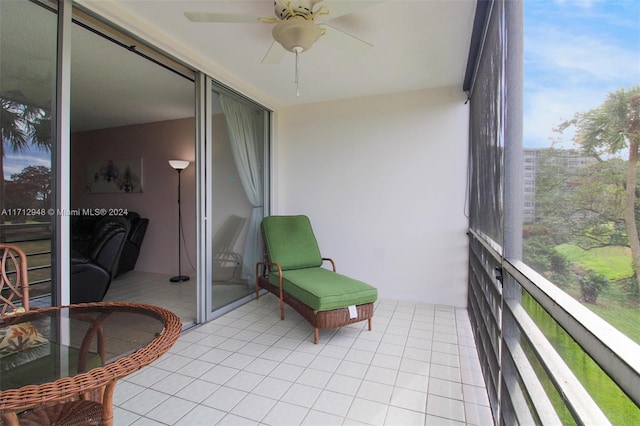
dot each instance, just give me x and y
(417, 44)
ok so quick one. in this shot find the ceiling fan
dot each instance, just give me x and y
(299, 24)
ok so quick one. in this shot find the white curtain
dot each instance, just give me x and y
(244, 133)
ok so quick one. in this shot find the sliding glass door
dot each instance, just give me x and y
(28, 34)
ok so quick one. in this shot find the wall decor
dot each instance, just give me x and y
(115, 176)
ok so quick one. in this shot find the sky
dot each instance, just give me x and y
(576, 52)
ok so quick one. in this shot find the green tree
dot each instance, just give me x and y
(22, 125)
(32, 186)
(609, 130)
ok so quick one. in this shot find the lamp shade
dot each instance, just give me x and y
(179, 164)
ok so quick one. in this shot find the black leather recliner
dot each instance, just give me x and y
(93, 270)
(131, 251)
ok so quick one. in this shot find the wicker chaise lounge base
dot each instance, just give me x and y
(321, 319)
(293, 271)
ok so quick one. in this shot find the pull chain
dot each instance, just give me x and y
(297, 49)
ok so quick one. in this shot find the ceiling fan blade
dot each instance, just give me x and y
(221, 17)
(341, 8)
(275, 54)
(346, 42)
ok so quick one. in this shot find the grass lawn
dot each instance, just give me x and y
(612, 262)
(612, 306)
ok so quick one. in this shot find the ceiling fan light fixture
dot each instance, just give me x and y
(297, 32)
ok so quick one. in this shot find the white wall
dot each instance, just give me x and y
(383, 180)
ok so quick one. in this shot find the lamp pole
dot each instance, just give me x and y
(179, 166)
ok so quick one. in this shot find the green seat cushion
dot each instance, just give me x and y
(290, 242)
(325, 290)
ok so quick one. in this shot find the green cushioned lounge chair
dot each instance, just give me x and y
(293, 271)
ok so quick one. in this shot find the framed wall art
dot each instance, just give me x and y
(114, 176)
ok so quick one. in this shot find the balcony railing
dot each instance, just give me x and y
(35, 240)
(547, 359)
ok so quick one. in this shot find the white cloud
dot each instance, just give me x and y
(546, 108)
(567, 73)
(16, 162)
(590, 56)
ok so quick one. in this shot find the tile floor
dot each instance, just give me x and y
(417, 367)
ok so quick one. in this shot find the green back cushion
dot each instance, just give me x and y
(289, 241)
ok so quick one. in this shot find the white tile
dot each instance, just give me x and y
(381, 375)
(215, 355)
(148, 376)
(403, 417)
(342, 340)
(365, 345)
(244, 381)
(394, 339)
(415, 366)
(318, 418)
(224, 398)
(446, 373)
(144, 421)
(285, 414)
(248, 367)
(343, 384)
(419, 343)
(144, 401)
(287, 372)
(358, 355)
(123, 417)
(333, 403)
(352, 369)
(471, 377)
(233, 420)
(301, 359)
(272, 387)
(386, 361)
(194, 351)
(475, 394)
(325, 363)
(445, 388)
(432, 420)
(266, 339)
(315, 378)
(172, 383)
(171, 410)
(391, 349)
(253, 349)
(477, 414)
(261, 366)
(195, 368)
(254, 407)
(197, 390)
(446, 407)
(276, 354)
(238, 361)
(334, 351)
(219, 374)
(302, 395)
(374, 335)
(409, 399)
(368, 412)
(374, 391)
(125, 390)
(412, 381)
(417, 354)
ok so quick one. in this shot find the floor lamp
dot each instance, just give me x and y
(179, 165)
